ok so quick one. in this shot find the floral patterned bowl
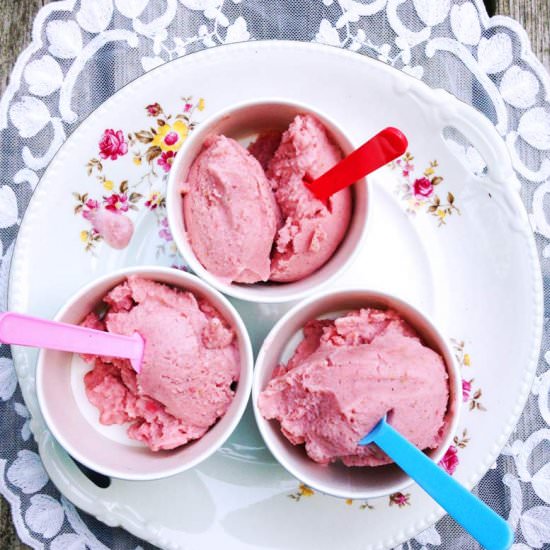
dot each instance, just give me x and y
(243, 122)
(337, 479)
(107, 449)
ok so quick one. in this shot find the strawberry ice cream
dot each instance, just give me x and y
(189, 369)
(345, 375)
(311, 231)
(264, 146)
(248, 225)
(230, 213)
(115, 228)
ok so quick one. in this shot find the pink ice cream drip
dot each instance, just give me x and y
(115, 228)
(190, 364)
(348, 373)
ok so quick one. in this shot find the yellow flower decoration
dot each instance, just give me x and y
(137, 160)
(83, 235)
(171, 137)
(305, 491)
(429, 171)
(108, 185)
(466, 359)
(349, 501)
(154, 200)
(441, 213)
(200, 105)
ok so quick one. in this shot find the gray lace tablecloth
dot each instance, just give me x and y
(94, 47)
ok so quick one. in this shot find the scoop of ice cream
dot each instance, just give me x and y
(189, 365)
(230, 213)
(311, 231)
(264, 146)
(345, 375)
(115, 228)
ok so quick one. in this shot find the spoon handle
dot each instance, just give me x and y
(17, 328)
(485, 525)
(385, 146)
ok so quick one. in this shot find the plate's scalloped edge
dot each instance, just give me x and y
(90, 499)
(527, 53)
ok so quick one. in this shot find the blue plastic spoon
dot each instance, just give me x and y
(485, 525)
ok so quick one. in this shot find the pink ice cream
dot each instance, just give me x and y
(115, 228)
(246, 225)
(264, 146)
(189, 368)
(311, 231)
(230, 213)
(348, 373)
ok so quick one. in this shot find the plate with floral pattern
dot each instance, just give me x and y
(447, 232)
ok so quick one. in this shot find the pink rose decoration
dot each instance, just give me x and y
(164, 232)
(400, 499)
(407, 169)
(171, 138)
(91, 205)
(423, 187)
(154, 200)
(112, 145)
(116, 203)
(466, 389)
(167, 158)
(154, 109)
(450, 461)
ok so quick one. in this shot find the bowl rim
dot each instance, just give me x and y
(254, 293)
(454, 378)
(246, 364)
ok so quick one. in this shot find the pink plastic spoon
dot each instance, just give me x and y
(384, 147)
(24, 330)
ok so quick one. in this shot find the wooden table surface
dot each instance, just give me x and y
(16, 17)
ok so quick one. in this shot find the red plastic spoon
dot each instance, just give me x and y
(384, 147)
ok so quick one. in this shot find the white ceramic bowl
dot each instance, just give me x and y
(243, 122)
(337, 479)
(74, 422)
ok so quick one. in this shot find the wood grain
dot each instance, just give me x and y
(16, 17)
(15, 32)
(534, 15)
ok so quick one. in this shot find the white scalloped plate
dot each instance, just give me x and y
(475, 270)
